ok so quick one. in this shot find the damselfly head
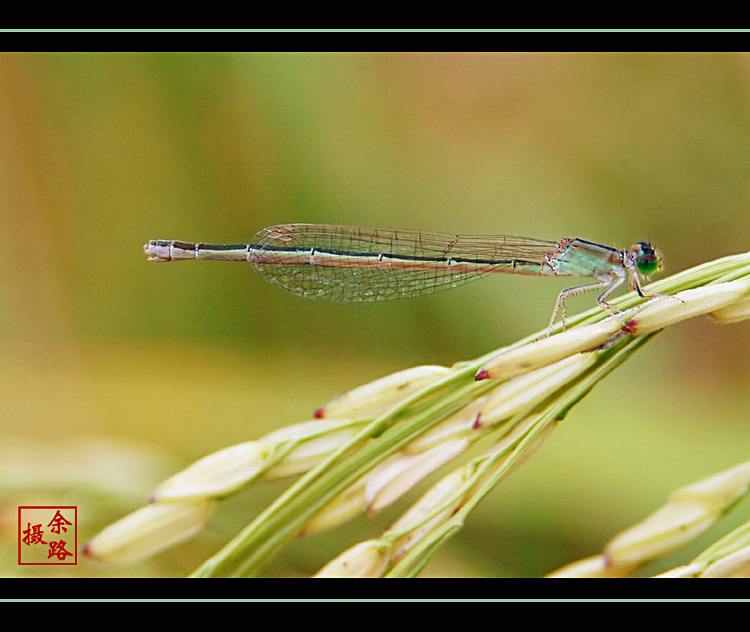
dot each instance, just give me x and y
(646, 259)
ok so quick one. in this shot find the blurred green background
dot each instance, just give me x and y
(116, 373)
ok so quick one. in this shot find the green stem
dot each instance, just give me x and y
(286, 516)
(418, 556)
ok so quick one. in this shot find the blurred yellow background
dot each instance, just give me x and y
(116, 373)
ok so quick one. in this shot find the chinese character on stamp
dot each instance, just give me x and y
(47, 535)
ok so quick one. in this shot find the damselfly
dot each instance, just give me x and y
(351, 264)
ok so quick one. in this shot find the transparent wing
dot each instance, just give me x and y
(346, 264)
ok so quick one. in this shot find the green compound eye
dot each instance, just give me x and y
(646, 260)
